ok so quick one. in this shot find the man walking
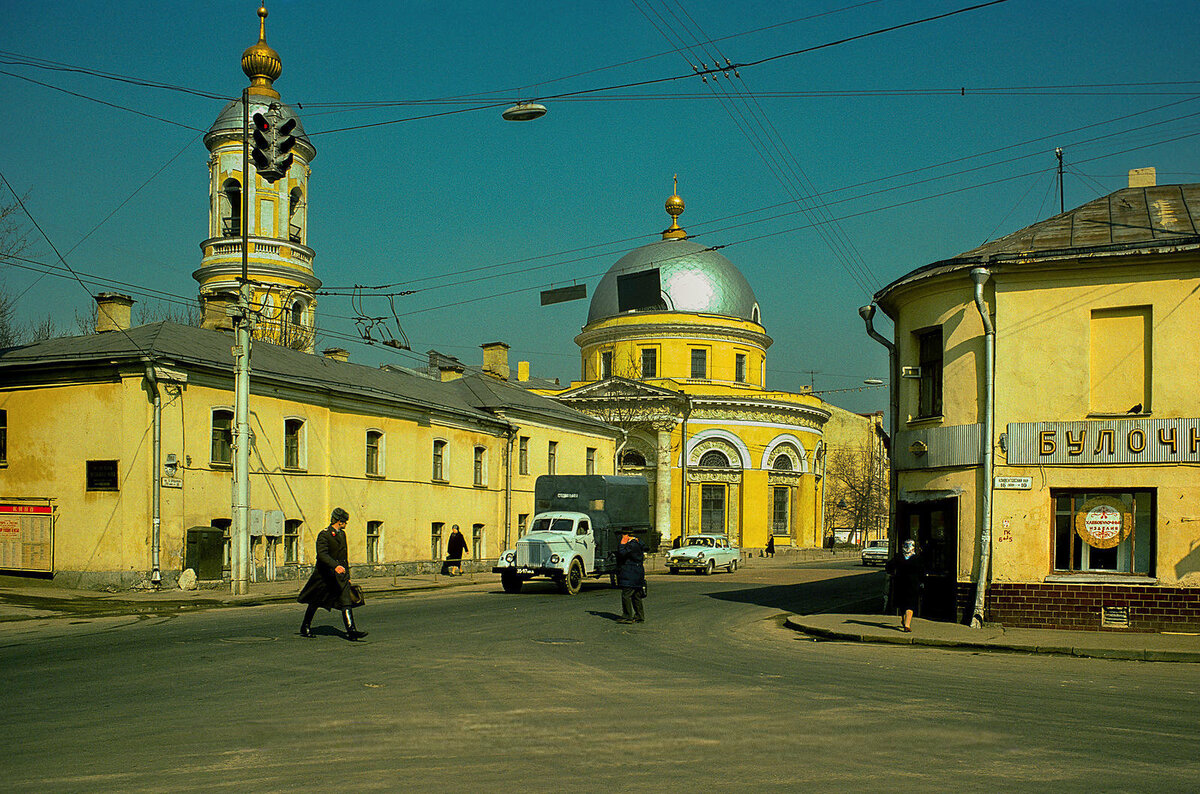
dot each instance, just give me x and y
(631, 578)
(329, 585)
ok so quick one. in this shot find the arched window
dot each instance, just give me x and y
(297, 317)
(633, 458)
(714, 459)
(295, 216)
(231, 208)
(754, 315)
(783, 463)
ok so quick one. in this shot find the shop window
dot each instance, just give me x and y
(929, 387)
(1119, 360)
(552, 457)
(293, 443)
(374, 542)
(699, 363)
(523, 455)
(1104, 531)
(590, 466)
(102, 475)
(291, 541)
(781, 499)
(649, 362)
(374, 452)
(439, 461)
(222, 437)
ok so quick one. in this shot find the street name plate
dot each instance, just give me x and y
(1014, 483)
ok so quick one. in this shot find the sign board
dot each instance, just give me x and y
(1014, 483)
(171, 482)
(27, 537)
(1113, 441)
(1103, 522)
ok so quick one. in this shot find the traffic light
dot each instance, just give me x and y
(271, 143)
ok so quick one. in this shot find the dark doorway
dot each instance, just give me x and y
(934, 526)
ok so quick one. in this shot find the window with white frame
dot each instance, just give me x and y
(477, 541)
(435, 540)
(439, 460)
(552, 457)
(590, 463)
(523, 455)
(374, 452)
(293, 443)
(480, 466)
(374, 542)
(222, 437)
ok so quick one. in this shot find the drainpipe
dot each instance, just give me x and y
(512, 436)
(156, 483)
(980, 276)
(868, 314)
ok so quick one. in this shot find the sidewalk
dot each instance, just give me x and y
(1096, 644)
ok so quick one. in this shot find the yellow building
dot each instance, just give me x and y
(674, 353)
(1047, 417)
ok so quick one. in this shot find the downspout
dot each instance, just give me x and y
(980, 276)
(868, 314)
(512, 435)
(156, 482)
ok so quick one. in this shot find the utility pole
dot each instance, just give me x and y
(1061, 206)
(240, 540)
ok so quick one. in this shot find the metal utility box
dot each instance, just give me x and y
(205, 552)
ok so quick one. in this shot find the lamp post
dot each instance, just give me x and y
(239, 563)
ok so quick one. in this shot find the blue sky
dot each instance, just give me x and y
(903, 148)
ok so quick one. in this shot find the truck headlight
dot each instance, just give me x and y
(555, 559)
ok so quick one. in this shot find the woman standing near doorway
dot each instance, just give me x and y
(908, 574)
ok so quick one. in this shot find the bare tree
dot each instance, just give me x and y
(856, 490)
(14, 241)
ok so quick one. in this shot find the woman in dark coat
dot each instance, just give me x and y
(907, 573)
(455, 549)
(329, 585)
(631, 578)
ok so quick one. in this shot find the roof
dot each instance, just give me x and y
(478, 397)
(692, 278)
(1125, 221)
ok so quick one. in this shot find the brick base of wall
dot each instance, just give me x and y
(1081, 606)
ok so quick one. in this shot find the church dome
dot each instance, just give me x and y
(691, 278)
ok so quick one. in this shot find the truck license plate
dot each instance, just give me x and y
(525, 570)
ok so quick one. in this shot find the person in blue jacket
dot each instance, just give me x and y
(631, 578)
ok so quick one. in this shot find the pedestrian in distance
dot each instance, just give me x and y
(631, 578)
(770, 545)
(908, 574)
(329, 586)
(456, 547)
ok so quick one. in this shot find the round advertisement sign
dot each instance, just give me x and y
(1103, 522)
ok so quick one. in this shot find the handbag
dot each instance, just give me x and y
(357, 597)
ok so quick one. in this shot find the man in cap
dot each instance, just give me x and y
(329, 585)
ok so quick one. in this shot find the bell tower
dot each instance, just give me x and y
(279, 261)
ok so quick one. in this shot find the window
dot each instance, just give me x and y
(780, 501)
(590, 468)
(222, 437)
(291, 541)
(102, 475)
(606, 359)
(1119, 360)
(477, 541)
(929, 394)
(649, 362)
(435, 540)
(480, 467)
(231, 208)
(699, 363)
(523, 455)
(1104, 531)
(224, 524)
(374, 539)
(551, 457)
(522, 524)
(739, 367)
(632, 459)
(3, 437)
(712, 508)
(295, 218)
(439, 461)
(298, 314)
(293, 443)
(374, 444)
(783, 463)
(714, 458)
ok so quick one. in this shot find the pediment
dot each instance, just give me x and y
(619, 388)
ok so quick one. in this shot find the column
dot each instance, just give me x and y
(662, 487)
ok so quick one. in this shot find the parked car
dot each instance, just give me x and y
(704, 553)
(875, 552)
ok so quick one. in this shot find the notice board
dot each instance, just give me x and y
(26, 537)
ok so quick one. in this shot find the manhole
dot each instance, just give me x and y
(245, 640)
(559, 641)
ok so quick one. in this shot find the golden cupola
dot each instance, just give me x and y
(260, 62)
(674, 207)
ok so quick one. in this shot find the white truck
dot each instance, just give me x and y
(576, 529)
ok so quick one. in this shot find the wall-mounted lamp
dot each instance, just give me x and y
(170, 464)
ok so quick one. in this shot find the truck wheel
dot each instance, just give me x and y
(573, 581)
(511, 582)
(712, 566)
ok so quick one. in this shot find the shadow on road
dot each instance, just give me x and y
(847, 594)
(609, 615)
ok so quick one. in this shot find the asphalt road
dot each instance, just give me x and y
(473, 689)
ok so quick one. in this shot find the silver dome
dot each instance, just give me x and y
(229, 123)
(692, 278)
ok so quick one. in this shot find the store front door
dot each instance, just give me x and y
(934, 526)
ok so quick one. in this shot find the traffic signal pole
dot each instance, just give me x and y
(240, 538)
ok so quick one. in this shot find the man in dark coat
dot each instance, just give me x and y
(631, 578)
(329, 585)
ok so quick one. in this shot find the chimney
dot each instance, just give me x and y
(523, 371)
(113, 312)
(1142, 177)
(336, 353)
(450, 370)
(215, 308)
(495, 359)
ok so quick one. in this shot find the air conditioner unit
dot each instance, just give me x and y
(910, 372)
